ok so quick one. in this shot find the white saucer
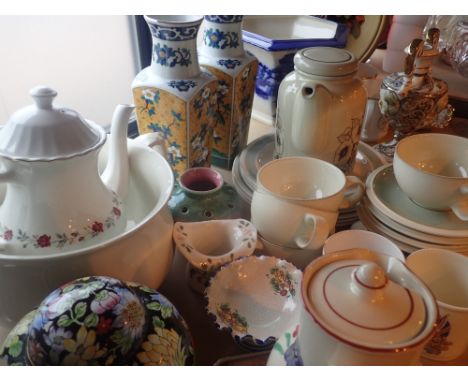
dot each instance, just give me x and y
(395, 226)
(262, 150)
(405, 243)
(384, 193)
(257, 298)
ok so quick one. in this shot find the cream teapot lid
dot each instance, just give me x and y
(355, 301)
(326, 61)
(44, 132)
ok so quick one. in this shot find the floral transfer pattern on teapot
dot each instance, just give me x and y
(63, 239)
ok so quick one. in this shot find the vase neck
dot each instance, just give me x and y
(222, 36)
(174, 52)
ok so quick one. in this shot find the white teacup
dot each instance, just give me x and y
(432, 169)
(297, 200)
(362, 239)
(288, 224)
(445, 273)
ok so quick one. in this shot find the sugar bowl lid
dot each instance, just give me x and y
(355, 300)
(44, 132)
(326, 61)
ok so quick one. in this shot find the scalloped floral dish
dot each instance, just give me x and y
(100, 321)
(257, 298)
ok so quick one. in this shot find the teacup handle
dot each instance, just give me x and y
(460, 208)
(315, 233)
(354, 191)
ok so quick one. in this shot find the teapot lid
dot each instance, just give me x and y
(44, 132)
(355, 301)
(326, 61)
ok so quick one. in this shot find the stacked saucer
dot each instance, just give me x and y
(387, 210)
(262, 150)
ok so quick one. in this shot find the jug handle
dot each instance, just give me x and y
(153, 141)
(311, 119)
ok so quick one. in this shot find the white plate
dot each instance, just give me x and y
(262, 150)
(384, 193)
(257, 298)
(374, 224)
(395, 226)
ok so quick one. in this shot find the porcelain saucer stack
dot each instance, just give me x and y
(262, 150)
(387, 210)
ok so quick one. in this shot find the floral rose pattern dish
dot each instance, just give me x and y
(100, 321)
(281, 282)
(233, 319)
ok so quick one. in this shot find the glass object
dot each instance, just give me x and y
(444, 23)
(457, 47)
(413, 100)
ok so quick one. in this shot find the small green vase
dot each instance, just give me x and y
(202, 195)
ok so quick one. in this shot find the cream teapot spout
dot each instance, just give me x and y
(115, 175)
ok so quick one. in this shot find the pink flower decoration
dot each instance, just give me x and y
(107, 303)
(43, 241)
(8, 235)
(116, 211)
(97, 227)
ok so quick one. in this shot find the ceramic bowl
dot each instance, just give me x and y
(210, 244)
(274, 40)
(101, 321)
(352, 239)
(432, 169)
(142, 253)
(257, 298)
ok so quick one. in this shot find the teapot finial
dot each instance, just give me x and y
(43, 96)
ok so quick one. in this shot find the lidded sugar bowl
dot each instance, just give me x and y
(54, 199)
(362, 308)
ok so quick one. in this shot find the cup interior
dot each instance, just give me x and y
(221, 241)
(301, 178)
(362, 239)
(444, 272)
(438, 154)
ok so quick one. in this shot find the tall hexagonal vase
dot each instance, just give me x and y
(222, 53)
(174, 98)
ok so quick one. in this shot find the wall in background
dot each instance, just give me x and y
(89, 60)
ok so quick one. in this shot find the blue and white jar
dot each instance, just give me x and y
(222, 53)
(174, 98)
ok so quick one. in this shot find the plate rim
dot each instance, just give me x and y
(375, 200)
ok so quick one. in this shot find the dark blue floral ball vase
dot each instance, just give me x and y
(100, 321)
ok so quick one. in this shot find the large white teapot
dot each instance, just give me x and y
(55, 199)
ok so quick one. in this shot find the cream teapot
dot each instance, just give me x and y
(54, 199)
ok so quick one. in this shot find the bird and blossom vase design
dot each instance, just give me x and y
(173, 96)
(222, 53)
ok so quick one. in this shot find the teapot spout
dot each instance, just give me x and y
(115, 175)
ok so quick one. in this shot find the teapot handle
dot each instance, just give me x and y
(311, 116)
